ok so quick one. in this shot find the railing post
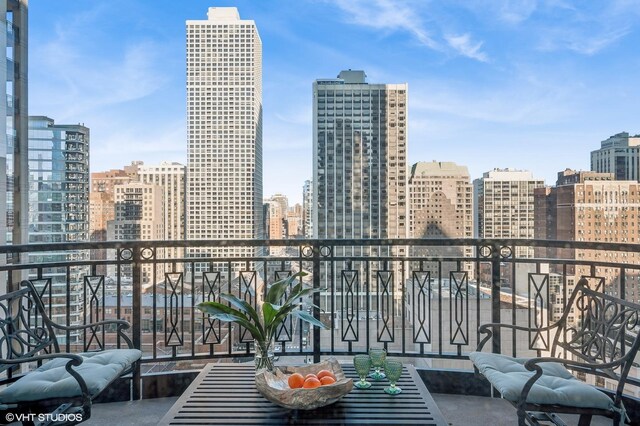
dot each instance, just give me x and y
(495, 296)
(136, 313)
(316, 301)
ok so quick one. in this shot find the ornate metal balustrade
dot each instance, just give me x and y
(422, 299)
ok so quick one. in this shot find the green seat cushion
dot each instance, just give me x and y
(52, 380)
(557, 386)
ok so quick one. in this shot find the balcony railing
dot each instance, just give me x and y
(421, 299)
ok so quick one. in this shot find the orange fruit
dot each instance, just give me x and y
(310, 375)
(311, 383)
(326, 373)
(327, 380)
(296, 381)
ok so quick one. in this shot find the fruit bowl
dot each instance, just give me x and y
(275, 387)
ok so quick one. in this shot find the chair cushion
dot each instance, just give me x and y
(52, 380)
(557, 386)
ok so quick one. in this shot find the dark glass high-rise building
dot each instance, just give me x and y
(360, 185)
(59, 207)
(360, 158)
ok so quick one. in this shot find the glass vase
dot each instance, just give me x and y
(264, 358)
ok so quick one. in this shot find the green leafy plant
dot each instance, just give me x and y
(263, 324)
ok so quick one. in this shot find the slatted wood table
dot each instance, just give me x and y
(225, 394)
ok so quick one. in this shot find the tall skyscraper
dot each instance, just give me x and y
(14, 182)
(360, 158)
(620, 155)
(360, 174)
(224, 120)
(59, 205)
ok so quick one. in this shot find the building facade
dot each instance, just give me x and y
(441, 206)
(504, 203)
(504, 207)
(59, 206)
(307, 209)
(294, 221)
(224, 121)
(588, 206)
(276, 225)
(106, 181)
(441, 201)
(139, 216)
(14, 130)
(101, 211)
(171, 177)
(102, 208)
(102, 200)
(620, 155)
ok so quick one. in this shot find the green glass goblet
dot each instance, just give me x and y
(393, 369)
(362, 363)
(378, 355)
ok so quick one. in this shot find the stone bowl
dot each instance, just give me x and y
(275, 387)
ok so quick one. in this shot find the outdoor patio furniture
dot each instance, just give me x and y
(225, 393)
(64, 384)
(597, 335)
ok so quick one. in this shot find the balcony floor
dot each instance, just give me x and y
(457, 409)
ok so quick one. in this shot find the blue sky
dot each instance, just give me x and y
(492, 83)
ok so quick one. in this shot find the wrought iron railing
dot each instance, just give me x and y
(421, 299)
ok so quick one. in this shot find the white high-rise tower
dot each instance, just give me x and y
(224, 120)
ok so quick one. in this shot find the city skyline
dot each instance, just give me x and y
(493, 84)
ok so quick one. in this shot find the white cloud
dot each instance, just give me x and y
(70, 78)
(582, 41)
(84, 83)
(387, 15)
(463, 45)
(583, 27)
(523, 101)
(404, 16)
(516, 11)
(296, 116)
(114, 88)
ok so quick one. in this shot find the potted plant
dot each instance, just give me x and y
(274, 310)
